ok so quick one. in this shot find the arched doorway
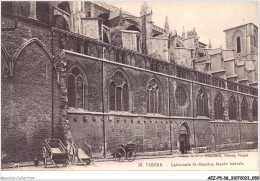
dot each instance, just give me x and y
(184, 138)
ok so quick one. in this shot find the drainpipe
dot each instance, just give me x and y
(170, 123)
(239, 122)
(193, 113)
(104, 128)
(52, 87)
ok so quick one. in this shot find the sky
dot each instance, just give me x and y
(208, 18)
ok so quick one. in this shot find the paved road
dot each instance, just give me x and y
(243, 160)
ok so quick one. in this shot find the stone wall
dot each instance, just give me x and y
(109, 129)
(182, 56)
(26, 111)
(27, 101)
(90, 28)
(158, 47)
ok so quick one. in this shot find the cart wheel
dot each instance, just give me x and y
(120, 154)
(131, 155)
(72, 155)
(65, 164)
(88, 161)
(44, 156)
(89, 153)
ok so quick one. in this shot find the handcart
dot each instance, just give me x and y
(82, 155)
(128, 151)
(55, 151)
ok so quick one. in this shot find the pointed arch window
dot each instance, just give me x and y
(118, 93)
(244, 109)
(75, 88)
(238, 45)
(232, 108)
(255, 110)
(154, 97)
(202, 103)
(218, 107)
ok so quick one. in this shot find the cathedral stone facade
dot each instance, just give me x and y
(91, 73)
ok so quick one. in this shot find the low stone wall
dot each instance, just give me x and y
(109, 131)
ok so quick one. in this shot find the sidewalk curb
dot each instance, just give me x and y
(31, 164)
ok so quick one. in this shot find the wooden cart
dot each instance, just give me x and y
(128, 151)
(79, 154)
(54, 151)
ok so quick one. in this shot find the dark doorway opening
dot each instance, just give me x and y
(184, 135)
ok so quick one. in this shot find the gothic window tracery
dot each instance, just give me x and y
(154, 97)
(244, 109)
(75, 88)
(218, 107)
(202, 103)
(118, 93)
(232, 108)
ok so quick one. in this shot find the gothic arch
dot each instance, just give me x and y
(244, 109)
(238, 35)
(133, 28)
(202, 102)
(119, 88)
(184, 137)
(133, 21)
(219, 106)
(255, 110)
(154, 88)
(186, 126)
(5, 67)
(78, 65)
(232, 108)
(72, 80)
(33, 40)
(4, 51)
(124, 74)
(157, 79)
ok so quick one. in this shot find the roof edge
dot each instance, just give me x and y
(240, 26)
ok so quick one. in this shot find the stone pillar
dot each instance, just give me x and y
(92, 11)
(62, 71)
(33, 10)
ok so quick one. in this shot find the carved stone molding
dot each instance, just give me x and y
(61, 69)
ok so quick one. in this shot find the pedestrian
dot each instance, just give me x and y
(36, 162)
